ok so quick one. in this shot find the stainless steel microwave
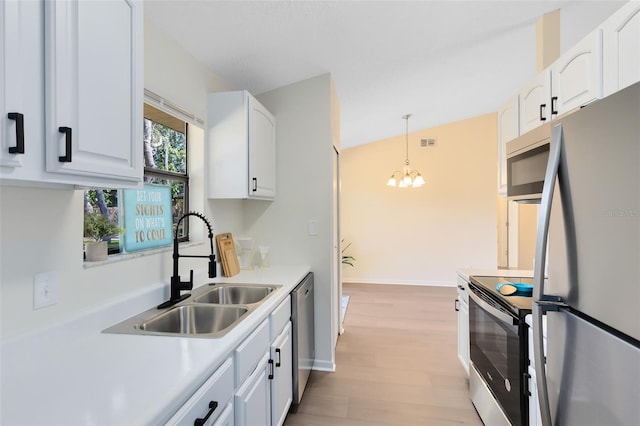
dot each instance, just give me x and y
(527, 157)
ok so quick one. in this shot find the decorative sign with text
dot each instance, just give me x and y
(148, 221)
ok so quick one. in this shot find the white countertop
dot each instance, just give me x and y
(75, 374)
(466, 273)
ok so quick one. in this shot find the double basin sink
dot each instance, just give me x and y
(211, 311)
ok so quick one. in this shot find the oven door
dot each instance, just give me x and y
(495, 351)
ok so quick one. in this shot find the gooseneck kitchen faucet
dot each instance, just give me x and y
(177, 285)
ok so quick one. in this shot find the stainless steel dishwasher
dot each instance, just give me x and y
(303, 339)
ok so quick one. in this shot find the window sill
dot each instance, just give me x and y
(115, 258)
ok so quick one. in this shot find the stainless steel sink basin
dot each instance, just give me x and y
(211, 311)
(194, 319)
(234, 294)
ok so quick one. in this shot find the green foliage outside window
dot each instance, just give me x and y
(165, 163)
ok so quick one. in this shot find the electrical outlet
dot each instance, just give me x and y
(45, 289)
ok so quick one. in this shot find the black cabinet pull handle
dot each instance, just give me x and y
(279, 361)
(554, 100)
(456, 305)
(255, 184)
(66, 158)
(19, 119)
(271, 368)
(212, 407)
(542, 117)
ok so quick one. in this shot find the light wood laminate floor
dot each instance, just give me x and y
(396, 363)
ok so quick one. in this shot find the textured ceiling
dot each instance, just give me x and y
(441, 61)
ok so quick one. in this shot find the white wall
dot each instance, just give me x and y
(42, 228)
(422, 235)
(303, 114)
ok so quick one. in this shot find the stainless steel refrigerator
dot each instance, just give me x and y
(589, 246)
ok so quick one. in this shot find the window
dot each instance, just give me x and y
(165, 160)
(165, 163)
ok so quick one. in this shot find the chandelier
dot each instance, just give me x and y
(408, 177)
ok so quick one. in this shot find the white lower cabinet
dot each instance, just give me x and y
(535, 419)
(253, 387)
(210, 402)
(462, 307)
(252, 402)
(282, 383)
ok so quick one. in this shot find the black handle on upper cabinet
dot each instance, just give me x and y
(212, 407)
(279, 361)
(66, 158)
(255, 184)
(554, 100)
(19, 119)
(271, 369)
(456, 305)
(542, 117)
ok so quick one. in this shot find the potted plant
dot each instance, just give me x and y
(346, 259)
(96, 228)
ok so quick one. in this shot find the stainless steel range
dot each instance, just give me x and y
(498, 351)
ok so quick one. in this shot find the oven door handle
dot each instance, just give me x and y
(505, 318)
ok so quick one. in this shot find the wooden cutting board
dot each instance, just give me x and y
(228, 256)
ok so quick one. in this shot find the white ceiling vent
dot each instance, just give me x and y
(429, 142)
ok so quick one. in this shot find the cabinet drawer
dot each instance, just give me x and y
(218, 388)
(462, 289)
(226, 418)
(248, 354)
(280, 317)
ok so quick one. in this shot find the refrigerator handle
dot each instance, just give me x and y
(551, 175)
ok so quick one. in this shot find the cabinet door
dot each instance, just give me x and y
(21, 89)
(262, 151)
(252, 402)
(94, 89)
(534, 102)
(621, 48)
(282, 383)
(535, 418)
(464, 317)
(508, 129)
(576, 77)
(463, 332)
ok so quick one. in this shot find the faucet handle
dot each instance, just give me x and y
(186, 285)
(189, 285)
(212, 266)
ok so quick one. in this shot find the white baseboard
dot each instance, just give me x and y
(328, 366)
(398, 282)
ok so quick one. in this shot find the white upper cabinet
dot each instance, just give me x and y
(621, 48)
(576, 77)
(262, 151)
(94, 90)
(241, 147)
(573, 80)
(508, 129)
(21, 90)
(535, 100)
(72, 90)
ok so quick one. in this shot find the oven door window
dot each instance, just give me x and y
(495, 352)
